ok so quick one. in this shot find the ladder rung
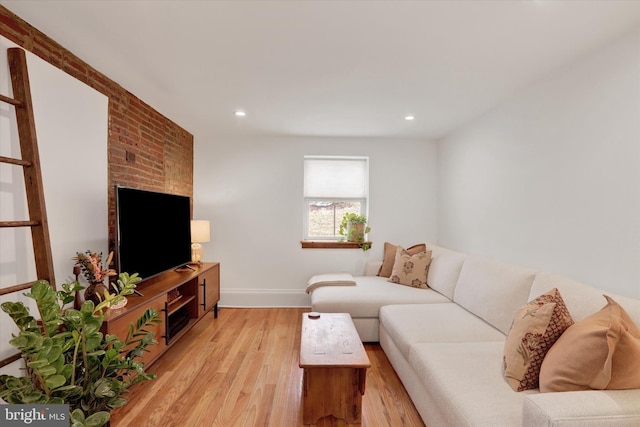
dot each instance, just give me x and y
(6, 224)
(16, 288)
(12, 161)
(11, 101)
(10, 359)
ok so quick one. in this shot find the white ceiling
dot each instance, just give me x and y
(330, 68)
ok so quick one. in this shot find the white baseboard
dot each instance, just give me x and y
(260, 298)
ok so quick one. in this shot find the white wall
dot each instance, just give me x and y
(251, 191)
(551, 179)
(71, 126)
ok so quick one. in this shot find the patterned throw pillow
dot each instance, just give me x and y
(410, 270)
(600, 352)
(389, 257)
(535, 328)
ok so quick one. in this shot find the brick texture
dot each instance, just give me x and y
(162, 150)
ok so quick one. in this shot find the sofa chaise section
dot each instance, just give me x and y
(371, 292)
(363, 301)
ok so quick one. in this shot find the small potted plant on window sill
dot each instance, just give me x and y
(355, 228)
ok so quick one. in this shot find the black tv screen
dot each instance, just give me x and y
(153, 231)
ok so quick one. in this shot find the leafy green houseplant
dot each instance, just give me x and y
(67, 358)
(354, 227)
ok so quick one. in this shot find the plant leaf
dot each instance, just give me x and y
(55, 381)
(35, 397)
(46, 370)
(38, 363)
(103, 388)
(77, 416)
(98, 419)
(116, 403)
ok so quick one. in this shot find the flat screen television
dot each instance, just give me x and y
(153, 231)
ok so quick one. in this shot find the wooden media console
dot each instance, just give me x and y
(181, 297)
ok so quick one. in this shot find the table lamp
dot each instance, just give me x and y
(200, 233)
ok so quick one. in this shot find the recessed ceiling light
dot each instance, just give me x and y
(409, 117)
(240, 113)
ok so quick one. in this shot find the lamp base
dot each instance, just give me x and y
(196, 253)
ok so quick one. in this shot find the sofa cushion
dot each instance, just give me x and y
(535, 328)
(593, 408)
(465, 384)
(581, 300)
(389, 257)
(493, 290)
(599, 352)
(419, 323)
(444, 270)
(368, 295)
(410, 270)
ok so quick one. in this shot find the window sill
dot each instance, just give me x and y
(332, 244)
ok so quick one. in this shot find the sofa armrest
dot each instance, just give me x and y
(372, 268)
(593, 408)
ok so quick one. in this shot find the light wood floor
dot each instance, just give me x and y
(241, 370)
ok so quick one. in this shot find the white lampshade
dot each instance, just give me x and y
(200, 232)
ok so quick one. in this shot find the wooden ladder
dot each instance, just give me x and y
(30, 163)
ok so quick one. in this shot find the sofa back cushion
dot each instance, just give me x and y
(492, 290)
(581, 300)
(444, 270)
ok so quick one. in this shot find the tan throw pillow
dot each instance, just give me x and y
(535, 328)
(599, 352)
(410, 270)
(390, 256)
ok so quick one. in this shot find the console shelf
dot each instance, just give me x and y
(199, 290)
(177, 305)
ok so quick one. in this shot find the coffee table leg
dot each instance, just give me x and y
(332, 391)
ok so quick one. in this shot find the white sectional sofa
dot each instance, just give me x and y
(446, 343)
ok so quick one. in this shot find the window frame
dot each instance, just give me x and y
(364, 201)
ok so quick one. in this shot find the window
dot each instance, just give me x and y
(333, 186)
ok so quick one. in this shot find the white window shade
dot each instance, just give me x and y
(335, 177)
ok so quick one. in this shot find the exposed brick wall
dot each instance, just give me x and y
(162, 150)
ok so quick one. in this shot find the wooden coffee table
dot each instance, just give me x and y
(335, 368)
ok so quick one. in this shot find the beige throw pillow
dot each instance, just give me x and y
(390, 256)
(535, 328)
(599, 352)
(410, 270)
